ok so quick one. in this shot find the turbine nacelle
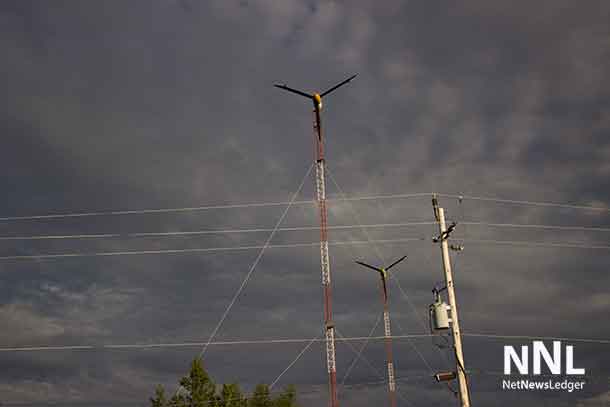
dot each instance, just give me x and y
(317, 101)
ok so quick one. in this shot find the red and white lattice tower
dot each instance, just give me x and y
(324, 260)
(329, 329)
(383, 273)
(388, 348)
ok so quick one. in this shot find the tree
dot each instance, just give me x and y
(231, 396)
(198, 390)
(260, 397)
(159, 400)
(288, 398)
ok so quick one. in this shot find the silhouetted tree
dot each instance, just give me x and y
(198, 390)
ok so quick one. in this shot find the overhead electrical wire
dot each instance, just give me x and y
(206, 232)
(81, 214)
(523, 243)
(294, 229)
(283, 341)
(194, 250)
(532, 337)
(198, 344)
(526, 243)
(526, 202)
(538, 226)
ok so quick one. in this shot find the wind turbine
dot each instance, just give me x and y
(383, 273)
(316, 98)
(329, 327)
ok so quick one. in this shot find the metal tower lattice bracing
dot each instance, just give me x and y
(324, 260)
(329, 329)
(383, 273)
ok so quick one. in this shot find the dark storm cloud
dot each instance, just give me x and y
(170, 104)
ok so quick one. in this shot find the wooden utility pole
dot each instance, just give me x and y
(439, 213)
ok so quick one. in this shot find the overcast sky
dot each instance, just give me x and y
(128, 105)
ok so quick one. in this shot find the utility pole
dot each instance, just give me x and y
(439, 213)
(329, 327)
(383, 273)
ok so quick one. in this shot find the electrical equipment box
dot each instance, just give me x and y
(440, 315)
(445, 376)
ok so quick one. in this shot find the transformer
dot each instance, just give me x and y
(439, 314)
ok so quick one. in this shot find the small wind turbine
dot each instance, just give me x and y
(329, 327)
(383, 273)
(316, 98)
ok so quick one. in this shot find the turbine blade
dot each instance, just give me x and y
(395, 263)
(369, 266)
(337, 86)
(298, 92)
(385, 289)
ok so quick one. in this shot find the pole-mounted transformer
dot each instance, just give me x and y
(439, 312)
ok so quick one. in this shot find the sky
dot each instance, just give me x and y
(133, 105)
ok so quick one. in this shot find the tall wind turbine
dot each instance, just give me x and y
(383, 273)
(329, 327)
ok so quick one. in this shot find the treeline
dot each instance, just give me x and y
(198, 390)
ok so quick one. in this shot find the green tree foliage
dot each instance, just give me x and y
(159, 400)
(288, 398)
(260, 397)
(198, 390)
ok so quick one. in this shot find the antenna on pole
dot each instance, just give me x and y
(329, 327)
(383, 273)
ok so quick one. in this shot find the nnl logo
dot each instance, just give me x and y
(539, 353)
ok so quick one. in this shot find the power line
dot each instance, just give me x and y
(547, 338)
(83, 214)
(194, 250)
(537, 226)
(208, 232)
(293, 229)
(531, 203)
(198, 344)
(573, 245)
(525, 243)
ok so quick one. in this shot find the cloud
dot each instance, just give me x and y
(25, 324)
(172, 105)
